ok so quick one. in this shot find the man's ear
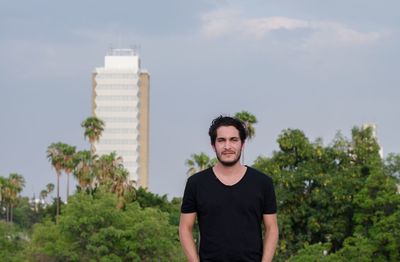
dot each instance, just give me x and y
(213, 147)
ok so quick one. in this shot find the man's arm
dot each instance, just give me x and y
(186, 236)
(271, 236)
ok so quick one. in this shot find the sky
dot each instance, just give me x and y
(319, 66)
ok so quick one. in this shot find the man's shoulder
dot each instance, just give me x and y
(200, 176)
(260, 176)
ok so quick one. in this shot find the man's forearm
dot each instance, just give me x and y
(270, 242)
(188, 245)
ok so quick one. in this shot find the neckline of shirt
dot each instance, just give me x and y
(237, 183)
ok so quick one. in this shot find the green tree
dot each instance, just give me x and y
(91, 228)
(12, 243)
(335, 195)
(69, 163)
(199, 162)
(112, 177)
(4, 191)
(43, 195)
(50, 188)
(392, 165)
(148, 199)
(93, 129)
(56, 158)
(249, 121)
(84, 172)
(16, 183)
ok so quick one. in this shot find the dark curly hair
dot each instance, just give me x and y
(227, 121)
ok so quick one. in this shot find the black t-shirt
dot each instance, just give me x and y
(230, 217)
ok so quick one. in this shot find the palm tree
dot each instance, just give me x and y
(249, 120)
(106, 167)
(114, 178)
(5, 195)
(93, 129)
(56, 157)
(121, 186)
(50, 188)
(42, 196)
(199, 162)
(84, 170)
(2, 188)
(16, 184)
(68, 163)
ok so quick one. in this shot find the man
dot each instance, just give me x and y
(230, 202)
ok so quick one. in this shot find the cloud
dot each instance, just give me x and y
(261, 26)
(230, 22)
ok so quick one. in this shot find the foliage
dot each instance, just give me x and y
(12, 242)
(93, 128)
(313, 253)
(333, 195)
(10, 188)
(173, 208)
(338, 202)
(91, 228)
(392, 165)
(199, 162)
(249, 120)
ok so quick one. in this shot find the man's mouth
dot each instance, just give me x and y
(228, 153)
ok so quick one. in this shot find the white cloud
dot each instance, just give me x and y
(220, 22)
(229, 22)
(261, 26)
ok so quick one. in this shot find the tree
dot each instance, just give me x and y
(336, 196)
(199, 162)
(56, 158)
(16, 183)
(392, 165)
(93, 129)
(11, 242)
(106, 167)
(69, 162)
(92, 228)
(50, 188)
(249, 120)
(43, 195)
(5, 194)
(83, 171)
(112, 177)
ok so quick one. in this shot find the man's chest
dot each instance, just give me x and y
(217, 199)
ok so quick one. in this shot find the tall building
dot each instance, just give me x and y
(121, 100)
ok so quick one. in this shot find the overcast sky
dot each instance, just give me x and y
(320, 66)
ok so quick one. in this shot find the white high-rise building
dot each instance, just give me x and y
(121, 100)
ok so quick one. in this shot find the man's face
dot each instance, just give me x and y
(228, 146)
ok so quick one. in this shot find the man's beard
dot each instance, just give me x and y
(229, 163)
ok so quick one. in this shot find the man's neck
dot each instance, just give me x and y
(236, 169)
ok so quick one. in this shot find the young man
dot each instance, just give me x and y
(230, 202)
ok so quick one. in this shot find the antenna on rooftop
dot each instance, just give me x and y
(135, 48)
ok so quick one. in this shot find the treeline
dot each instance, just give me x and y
(92, 227)
(107, 219)
(336, 202)
(339, 202)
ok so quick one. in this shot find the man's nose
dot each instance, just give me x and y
(227, 145)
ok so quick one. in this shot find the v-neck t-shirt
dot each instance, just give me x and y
(230, 216)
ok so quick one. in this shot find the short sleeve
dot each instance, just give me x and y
(189, 198)
(269, 198)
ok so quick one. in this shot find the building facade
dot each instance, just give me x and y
(121, 100)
